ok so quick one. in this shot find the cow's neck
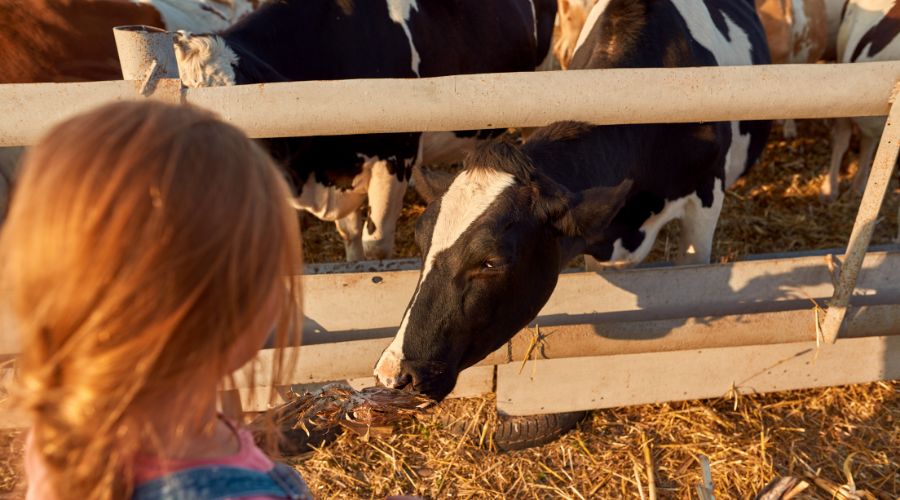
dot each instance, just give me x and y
(321, 40)
(599, 156)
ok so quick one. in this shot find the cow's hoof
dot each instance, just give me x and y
(377, 251)
(827, 195)
(519, 433)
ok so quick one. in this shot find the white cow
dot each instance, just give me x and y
(868, 32)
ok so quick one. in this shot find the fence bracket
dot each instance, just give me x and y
(872, 199)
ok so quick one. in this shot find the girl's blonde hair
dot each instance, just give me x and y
(143, 239)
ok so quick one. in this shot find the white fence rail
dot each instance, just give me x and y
(489, 101)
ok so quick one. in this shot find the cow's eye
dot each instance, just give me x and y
(491, 265)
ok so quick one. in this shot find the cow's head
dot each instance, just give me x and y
(493, 245)
(209, 61)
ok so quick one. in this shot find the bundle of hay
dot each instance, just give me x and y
(312, 419)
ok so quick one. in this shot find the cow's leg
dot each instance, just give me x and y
(342, 206)
(386, 189)
(841, 129)
(645, 236)
(789, 129)
(867, 145)
(897, 239)
(698, 225)
(351, 230)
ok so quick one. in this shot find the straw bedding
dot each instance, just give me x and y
(823, 438)
(824, 433)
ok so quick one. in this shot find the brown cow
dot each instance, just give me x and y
(72, 40)
(797, 30)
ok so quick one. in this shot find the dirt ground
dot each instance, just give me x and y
(837, 435)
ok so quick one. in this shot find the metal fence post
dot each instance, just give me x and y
(872, 199)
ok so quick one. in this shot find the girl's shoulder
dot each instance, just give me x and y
(248, 474)
(248, 456)
(223, 482)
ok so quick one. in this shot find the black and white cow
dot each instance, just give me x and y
(297, 40)
(495, 242)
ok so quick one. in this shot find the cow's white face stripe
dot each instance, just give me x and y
(736, 52)
(399, 11)
(469, 196)
(589, 23)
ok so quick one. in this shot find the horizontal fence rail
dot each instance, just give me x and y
(360, 306)
(607, 96)
(616, 311)
(351, 317)
(356, 359)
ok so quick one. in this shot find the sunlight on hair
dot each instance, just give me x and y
(149, 250)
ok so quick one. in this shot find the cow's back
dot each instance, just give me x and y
(671, 33)
(473, 36)
(679, 33)
(331, 40)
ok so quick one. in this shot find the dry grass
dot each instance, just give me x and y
(10, 460)
(748, 442)
(776, 207)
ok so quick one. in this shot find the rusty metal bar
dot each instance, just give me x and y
(876, 187)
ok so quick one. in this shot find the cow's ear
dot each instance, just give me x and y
(431, 184)
(589, 212)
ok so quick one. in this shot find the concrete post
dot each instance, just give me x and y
(146, 55)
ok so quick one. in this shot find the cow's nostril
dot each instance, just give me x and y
(404, 381)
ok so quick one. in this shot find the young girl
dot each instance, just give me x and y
(147, 254)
